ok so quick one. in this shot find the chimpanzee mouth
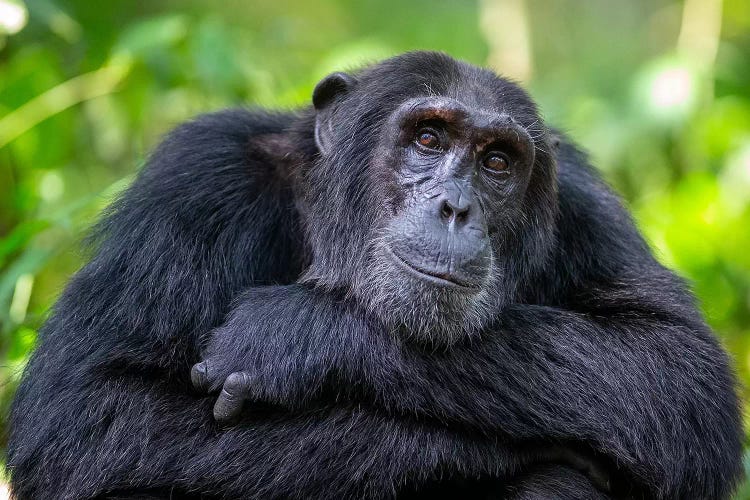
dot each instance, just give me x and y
(435, 277)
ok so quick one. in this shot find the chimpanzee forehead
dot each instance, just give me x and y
(480, 88)
(435, 74)
(482, 92)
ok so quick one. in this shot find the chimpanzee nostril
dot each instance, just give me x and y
(450, 212)
(446, 211)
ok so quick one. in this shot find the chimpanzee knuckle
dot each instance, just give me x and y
(209, 375)
(216, 373)
(199, 376)
(236, 382)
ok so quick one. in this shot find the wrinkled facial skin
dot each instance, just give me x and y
(471, 164)
(458, 174)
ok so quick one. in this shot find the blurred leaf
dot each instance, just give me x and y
(19, 237)
(143, 38)
(21, 343)
(214, 58)
(31, 260)
(73, 91)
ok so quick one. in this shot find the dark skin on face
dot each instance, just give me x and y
(456, 168)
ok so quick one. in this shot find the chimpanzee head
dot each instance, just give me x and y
(433, 196)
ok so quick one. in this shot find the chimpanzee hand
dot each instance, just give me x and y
(249, 358)
(237, 387)
(251, 362)
(279, 346)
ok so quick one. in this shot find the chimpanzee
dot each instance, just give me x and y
(412, 288)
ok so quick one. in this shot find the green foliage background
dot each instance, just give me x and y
(658, 91)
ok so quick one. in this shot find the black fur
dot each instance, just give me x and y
(588, 344)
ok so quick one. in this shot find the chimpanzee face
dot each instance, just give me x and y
(439, 175)
(460, 171)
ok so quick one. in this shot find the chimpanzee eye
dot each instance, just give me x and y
(496, 162)
(428, 138)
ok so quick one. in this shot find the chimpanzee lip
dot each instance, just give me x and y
(435, 277)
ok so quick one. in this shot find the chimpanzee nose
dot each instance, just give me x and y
(455, 205)
(453, 212)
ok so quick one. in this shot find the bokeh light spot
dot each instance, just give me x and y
(13, 17)
(52, 186)
(672, 87)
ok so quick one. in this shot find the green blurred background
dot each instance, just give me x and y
(658, 91)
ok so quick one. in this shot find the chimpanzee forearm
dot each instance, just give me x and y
(323, 452)
(629, 386)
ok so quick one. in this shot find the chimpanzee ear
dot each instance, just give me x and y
(326, 92)
(331, 87)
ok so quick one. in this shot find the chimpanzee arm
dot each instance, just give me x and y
(618, 359)
(652, 394)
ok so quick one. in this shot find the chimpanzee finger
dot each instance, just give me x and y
(235, 391)
(199, 376)
(207, 376)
